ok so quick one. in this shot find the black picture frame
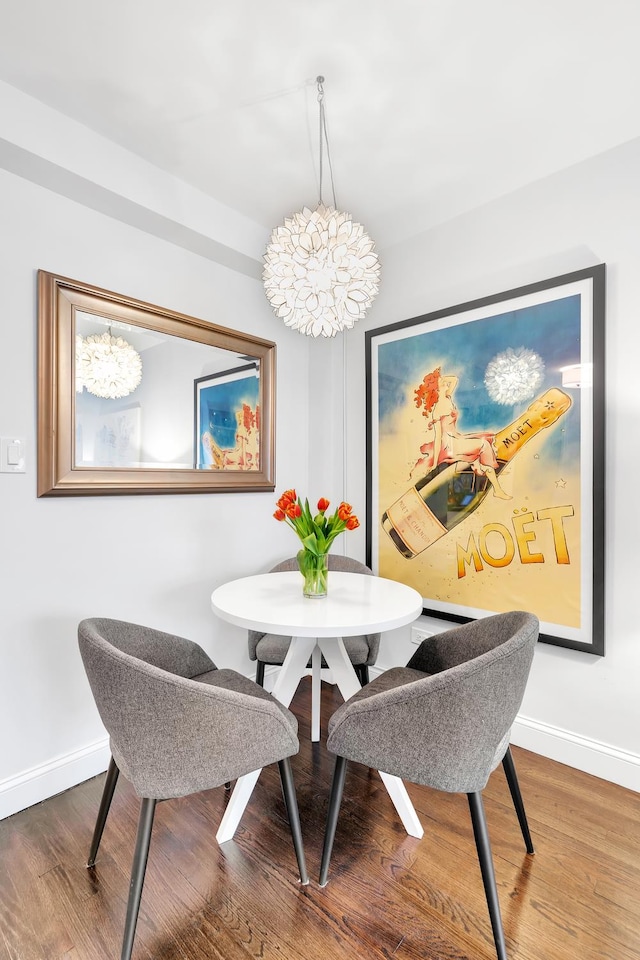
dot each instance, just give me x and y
(485, 456)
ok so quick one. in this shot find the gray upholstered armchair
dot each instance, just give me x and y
(444, 720)
(271, 648)
(178, 725)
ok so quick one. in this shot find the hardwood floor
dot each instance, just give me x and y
(389, 895)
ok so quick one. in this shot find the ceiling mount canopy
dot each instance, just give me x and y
(321, 271)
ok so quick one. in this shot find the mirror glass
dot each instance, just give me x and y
(136, 398)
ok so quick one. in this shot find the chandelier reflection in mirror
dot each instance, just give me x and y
(107, 366)
(321, 271)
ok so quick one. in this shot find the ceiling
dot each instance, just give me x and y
(433, 107)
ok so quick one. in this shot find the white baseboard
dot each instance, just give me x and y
(599, 759)
(39, 783)
(592, 756)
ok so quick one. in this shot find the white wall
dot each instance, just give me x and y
(151, 559)
(165, 395)
(157, 559)
(580, 709)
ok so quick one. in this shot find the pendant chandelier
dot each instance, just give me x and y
(321, 271)
(107, 366)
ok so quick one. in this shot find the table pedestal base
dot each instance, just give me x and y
(291, 672)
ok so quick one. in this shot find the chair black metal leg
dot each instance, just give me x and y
(516, 796)
(483, 847)
(364, 674)
(105, 803)
(335, 798)
(260, 673)
(291, 803)
(138, 869)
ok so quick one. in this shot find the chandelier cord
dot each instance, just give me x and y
(319, 81)
(323, 136)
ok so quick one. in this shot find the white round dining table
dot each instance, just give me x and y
(355, 604)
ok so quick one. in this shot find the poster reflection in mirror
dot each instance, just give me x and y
(227, 420)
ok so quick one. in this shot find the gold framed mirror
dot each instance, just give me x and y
(134, 398)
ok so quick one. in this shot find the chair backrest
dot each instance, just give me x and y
(451, 728)
(176, 655)
(336, 562)
(170, 734)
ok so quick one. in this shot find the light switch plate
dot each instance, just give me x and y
(12, 455)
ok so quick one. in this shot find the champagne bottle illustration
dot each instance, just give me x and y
(452, 491)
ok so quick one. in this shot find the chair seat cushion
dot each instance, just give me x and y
(272, 649)
(232, 680)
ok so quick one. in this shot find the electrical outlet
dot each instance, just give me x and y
(418, 634)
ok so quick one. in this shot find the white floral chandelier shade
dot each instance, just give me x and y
(321, 271)
(514, 375)
(107, 366)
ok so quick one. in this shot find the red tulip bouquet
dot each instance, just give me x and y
(316, 534)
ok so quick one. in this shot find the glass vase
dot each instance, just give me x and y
(314, 569)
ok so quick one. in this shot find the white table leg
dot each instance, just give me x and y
(401, 801)
(316, 667)
(293, 668)
(345, 676)
(236, 806)
(338, 659)
(289, 677)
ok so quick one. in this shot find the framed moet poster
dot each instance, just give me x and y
(485, 464)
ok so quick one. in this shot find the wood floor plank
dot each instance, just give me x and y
(29, 922)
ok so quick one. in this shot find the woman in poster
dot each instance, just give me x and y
(445, 444)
